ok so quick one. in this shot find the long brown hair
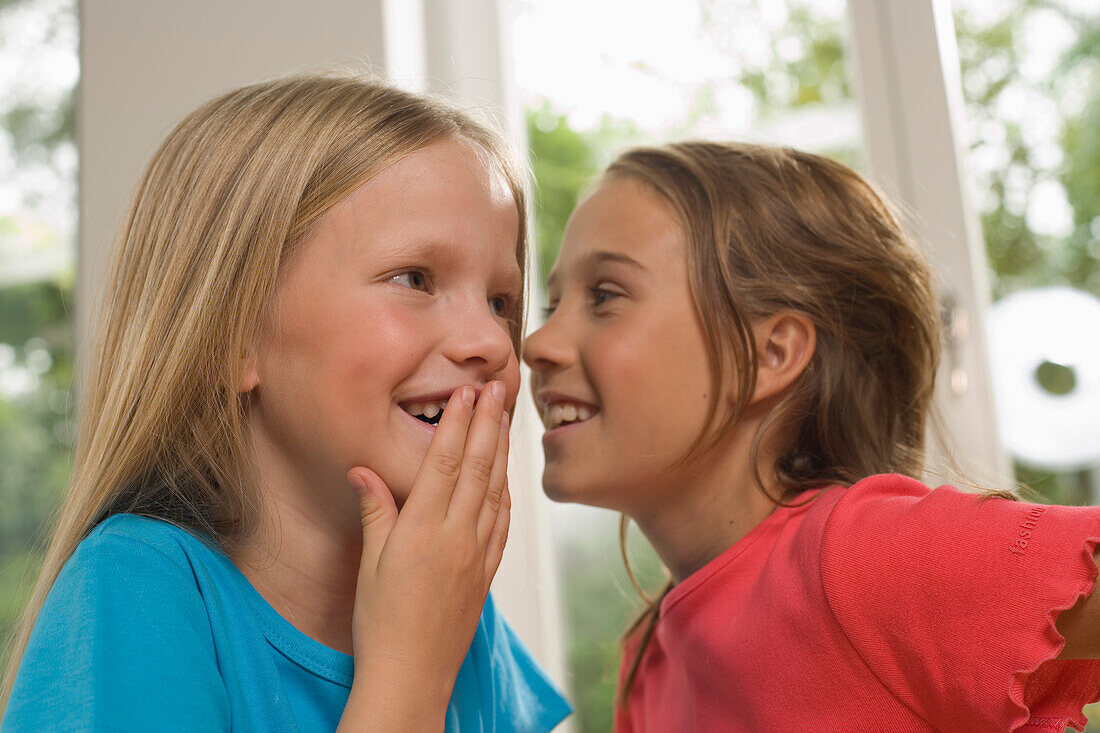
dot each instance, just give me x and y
(227, 198)
(771, 229)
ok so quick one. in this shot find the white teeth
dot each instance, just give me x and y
(427, 409)
(559, 414)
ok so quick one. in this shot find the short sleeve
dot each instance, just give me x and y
(525, 700)
(950, 599)
(123, 643)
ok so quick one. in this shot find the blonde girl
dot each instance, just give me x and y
(312, 320)
(740, 356)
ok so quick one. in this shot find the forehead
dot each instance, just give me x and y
(445, 195)
(450, 174)
(627, 217)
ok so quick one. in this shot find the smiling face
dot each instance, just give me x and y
(404, 292)
(622, 346)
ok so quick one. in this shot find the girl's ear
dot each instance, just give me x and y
(248, 371)
(785, 343)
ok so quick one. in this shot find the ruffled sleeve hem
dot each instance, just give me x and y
(1048, 694)
(950, 599)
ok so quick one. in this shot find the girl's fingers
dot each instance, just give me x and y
(377, 512)
(479, 458)
(490, 506)
(438, 474)
(499, 536)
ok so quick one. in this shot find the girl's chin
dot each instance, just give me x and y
(571, 493)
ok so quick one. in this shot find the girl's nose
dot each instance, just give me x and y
(481, 339)
(546, 349)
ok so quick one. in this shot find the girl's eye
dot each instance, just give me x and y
(601, 295)
(413, 279)
(500, 305)
(548, 310)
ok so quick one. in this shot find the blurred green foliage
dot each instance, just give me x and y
(600, 603)
(565, 161)
(36, 345)
(991, 58)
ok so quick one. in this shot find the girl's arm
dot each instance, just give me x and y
(1080, 625)
(425, 572)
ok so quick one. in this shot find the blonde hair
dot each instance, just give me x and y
(771, 229)
(227, 198)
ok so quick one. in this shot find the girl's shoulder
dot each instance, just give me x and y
(897, 513)
(157, 534)
(868, 491)
(127, 557)
(129, 598)
(126, 541)
(905, 532)
(927, 582)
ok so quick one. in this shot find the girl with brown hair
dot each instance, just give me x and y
(312, 319)
(739, 355)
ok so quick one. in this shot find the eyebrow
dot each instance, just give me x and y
(601, 256)
(445, 253)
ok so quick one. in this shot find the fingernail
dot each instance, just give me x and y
(504, 421)
(358, 484)
(467, 395)
(497, 389)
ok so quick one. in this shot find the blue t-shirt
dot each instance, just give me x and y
(147, 628)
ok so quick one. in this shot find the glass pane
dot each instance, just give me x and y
(38, 74)
(599, 75)
(1031, 82)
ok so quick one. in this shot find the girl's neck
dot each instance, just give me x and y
(304, 556)
(712, 505)
(306, 573)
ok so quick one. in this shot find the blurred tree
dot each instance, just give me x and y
(1035, 160)
(1034, 151)
(36, 370)
(36, 338)
(562, 161)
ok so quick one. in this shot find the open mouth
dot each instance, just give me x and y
(428, 412)
(566, 413)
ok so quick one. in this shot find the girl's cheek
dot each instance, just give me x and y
(387, 330)
(511, 379)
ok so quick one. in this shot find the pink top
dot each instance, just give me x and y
(885, 606)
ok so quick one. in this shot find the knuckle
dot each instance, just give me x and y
(448, 463)
(371, 515)
(479, 468)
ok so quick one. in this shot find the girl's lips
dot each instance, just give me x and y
(428, 428)
(564, 430)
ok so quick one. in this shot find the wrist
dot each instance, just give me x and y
(395, 702)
